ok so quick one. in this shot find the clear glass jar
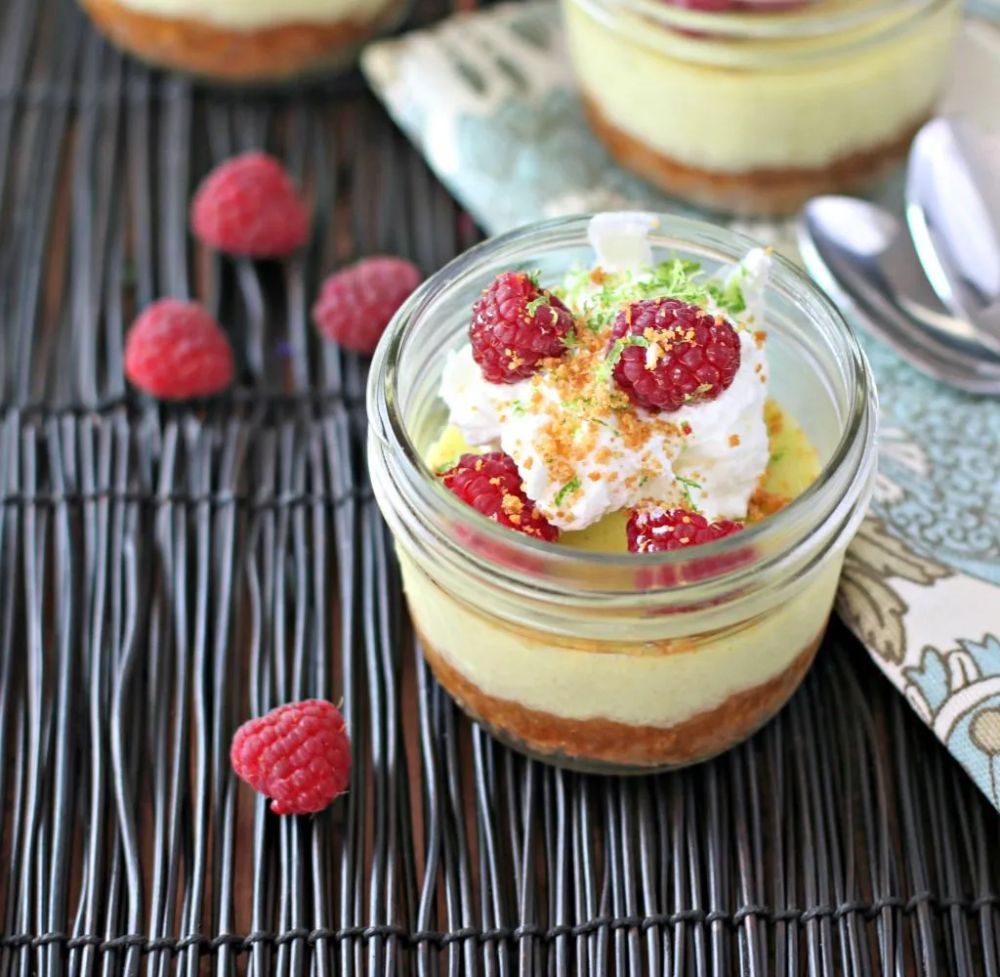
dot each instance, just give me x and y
(245, 41)
(753, 112)
(585, 659)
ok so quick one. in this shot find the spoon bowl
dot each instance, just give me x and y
(863, 257)
(953, 210)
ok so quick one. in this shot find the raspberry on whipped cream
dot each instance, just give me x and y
(491, 484)
(582, 447)
(671, 353)
(515, 326)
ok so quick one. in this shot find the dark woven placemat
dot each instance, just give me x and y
(167, 572)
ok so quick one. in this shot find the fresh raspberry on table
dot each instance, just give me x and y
(356, 303)
(491, 484)
(660, 530)
(175, 350)
(250, 206)
(298, 755)
(670, 353)
(515, 325)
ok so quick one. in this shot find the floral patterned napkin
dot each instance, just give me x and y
(488, 99)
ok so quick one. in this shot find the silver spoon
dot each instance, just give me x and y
(863, 257)
(953, 209)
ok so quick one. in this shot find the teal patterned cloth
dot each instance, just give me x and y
(488, 99)
(921, 584)
(987, 9)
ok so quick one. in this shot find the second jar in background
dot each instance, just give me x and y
(245, 41)
(755, 108)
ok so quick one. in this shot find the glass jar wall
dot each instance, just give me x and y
(600, 660)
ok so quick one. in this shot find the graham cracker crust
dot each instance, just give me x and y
(593, 743)
(758, 192)
(275, 53)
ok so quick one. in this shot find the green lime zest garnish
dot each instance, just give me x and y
(571, 486)
(686, 485)
(605, 370)
(535, 304)
(728, 297)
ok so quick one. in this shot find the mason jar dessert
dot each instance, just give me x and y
(753, 106)
(621, 458)
(244, 41)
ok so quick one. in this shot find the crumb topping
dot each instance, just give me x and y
(582, 408)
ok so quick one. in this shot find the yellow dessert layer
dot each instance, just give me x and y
(656, 684)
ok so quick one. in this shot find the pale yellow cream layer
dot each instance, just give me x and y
(654, 689)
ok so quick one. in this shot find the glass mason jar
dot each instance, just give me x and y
(596, 660)
(753, 112)
(245, 41)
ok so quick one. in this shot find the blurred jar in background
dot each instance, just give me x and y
(245, 41)
(753, 106)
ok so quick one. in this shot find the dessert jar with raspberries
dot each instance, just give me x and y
(621, 458)
(753, 106)
(245, 41)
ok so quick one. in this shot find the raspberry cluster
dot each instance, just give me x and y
(249, 206)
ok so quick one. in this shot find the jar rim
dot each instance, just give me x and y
(855, 445)
(816, 21)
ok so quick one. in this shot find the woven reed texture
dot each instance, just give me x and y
(167, 572)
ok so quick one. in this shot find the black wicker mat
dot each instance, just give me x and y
(168, 572)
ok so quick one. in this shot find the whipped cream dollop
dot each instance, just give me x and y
(582, 449)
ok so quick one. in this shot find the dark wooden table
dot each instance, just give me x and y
(167, 572)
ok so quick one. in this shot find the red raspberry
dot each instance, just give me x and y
(740, 6)
(491, 484)
(659, 530)
(249, 206)
(516, 325)
(356, 303)
(757, 6)
(176, 350)
(700, 354)
(298, 755)
(709, 6)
